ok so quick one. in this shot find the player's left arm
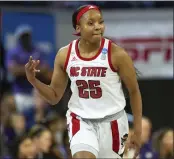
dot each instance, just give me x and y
(122, 61)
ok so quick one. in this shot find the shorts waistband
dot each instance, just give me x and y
(108, 118)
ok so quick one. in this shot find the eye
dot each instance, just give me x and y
(90, 23)
(102, 21)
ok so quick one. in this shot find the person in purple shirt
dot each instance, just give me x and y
(16, 59)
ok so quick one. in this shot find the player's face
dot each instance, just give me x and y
(92, 26)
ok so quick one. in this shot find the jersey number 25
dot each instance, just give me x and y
(89, 88)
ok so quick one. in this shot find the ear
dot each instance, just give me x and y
(78, 28)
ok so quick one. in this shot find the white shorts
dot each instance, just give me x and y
(103, 138)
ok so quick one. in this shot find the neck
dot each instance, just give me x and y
(87, 46)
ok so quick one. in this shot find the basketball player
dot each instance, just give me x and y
(97, 122)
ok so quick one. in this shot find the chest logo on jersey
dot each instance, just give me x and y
(103, 53)
(88, 71)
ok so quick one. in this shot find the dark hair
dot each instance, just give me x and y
(74, 16)
(37, 130)
(17, 143)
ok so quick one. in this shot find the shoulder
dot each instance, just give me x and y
(117, 50)
(63, 51)
(118, 53)
(63, 54)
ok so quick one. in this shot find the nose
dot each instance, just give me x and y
(97, 26)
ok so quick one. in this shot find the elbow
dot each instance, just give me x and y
(50, 101)
(53, 102)
(55, 97)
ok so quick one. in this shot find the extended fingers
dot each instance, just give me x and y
(29, 63)
(30, 59)
(36, 63)
(32, 64)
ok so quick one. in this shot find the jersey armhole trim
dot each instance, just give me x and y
(68, 55)
(109, 57)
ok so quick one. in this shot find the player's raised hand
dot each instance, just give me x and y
(30, 69)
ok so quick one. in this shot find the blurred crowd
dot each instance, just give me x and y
(40, 133)
(30, 128)
(36, 132)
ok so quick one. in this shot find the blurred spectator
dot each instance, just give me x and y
(17, 58)
(146, 142)
(8, 102)
(38, 112)
(7, 107)
(15, 129)
(23, 148)
(42, 139)
(163, 143)
(5, 110)
(57, 126)
(146, 150)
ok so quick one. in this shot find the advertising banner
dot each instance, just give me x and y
(149, 43)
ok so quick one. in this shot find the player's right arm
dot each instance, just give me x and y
(51, 93)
